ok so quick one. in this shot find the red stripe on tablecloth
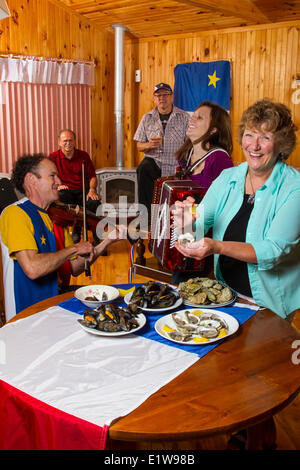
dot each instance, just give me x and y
(28, 423)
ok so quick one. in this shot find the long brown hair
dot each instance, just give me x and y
(221, 137)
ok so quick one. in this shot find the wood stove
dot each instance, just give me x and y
(114, 183)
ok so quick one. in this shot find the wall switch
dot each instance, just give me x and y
(138, 75)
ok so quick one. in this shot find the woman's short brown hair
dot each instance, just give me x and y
(276, 118)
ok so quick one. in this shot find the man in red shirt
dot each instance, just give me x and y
(68, 160)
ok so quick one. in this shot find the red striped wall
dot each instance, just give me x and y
(32, 114)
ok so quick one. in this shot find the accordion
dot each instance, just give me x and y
(162, 236)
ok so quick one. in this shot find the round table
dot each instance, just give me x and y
(240, 384)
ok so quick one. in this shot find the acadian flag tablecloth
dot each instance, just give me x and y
(60, 387)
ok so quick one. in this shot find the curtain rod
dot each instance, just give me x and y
(49, 59)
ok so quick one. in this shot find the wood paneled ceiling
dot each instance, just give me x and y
(147, 18)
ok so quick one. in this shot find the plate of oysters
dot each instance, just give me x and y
(196, 327)
(110, 320)
(154, 297)
(205, 292)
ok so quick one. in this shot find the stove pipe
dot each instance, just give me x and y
(119, 91)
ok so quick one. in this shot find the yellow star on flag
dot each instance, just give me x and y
(213, 79)
(43, 240)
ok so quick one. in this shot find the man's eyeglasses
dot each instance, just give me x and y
(162, 94)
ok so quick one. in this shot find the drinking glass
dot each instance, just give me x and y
(158, 136)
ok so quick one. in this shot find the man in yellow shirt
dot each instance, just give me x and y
(30, 256)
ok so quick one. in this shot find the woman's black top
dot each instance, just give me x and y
(235, 272)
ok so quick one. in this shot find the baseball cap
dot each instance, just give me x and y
(161, 86)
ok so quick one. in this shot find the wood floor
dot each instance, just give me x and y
(114, 269)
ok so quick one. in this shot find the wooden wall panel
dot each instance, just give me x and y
(46, 29)
(265, 63)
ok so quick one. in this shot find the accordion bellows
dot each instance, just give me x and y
(163, 236)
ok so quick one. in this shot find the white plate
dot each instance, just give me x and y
(141, 321)
(83, 292)
(154, 310)
(224, 304)
(233, 326)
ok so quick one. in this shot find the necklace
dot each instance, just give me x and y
(251, 197)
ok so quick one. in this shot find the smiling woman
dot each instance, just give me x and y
(256, 242)
(267, 135)
(205, 153)
(258, 147)
(199, 123)
(207, 149)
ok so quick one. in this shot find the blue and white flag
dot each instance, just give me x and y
(199, 81)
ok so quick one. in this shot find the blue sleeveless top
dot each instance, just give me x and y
(27, 291)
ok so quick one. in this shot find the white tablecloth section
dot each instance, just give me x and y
(95, 378)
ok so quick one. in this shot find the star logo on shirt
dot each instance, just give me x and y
(213, 79)
(43, 240)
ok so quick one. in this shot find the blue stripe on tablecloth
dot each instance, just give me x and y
(240, 313)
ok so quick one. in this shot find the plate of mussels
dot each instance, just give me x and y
(110, 320)
(196, 327)
(154, 297)
(205, 292)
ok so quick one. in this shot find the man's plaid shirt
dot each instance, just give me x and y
(173, 138)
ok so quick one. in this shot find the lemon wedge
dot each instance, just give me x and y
(222, 333)
(167, 329)
(123, 292)
(197, 312)
(198, 339)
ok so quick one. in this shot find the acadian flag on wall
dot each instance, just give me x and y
(199, 81)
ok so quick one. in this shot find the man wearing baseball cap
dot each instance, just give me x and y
(163, 86)
(159, 135)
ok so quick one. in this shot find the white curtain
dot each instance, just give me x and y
(46, 71)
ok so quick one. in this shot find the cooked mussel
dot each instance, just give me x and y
(111, 312)
(110, 318)
(109, 326)
(154, 295)
(90, 318)
(127, 322)
(151, 287)
(166, 301)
